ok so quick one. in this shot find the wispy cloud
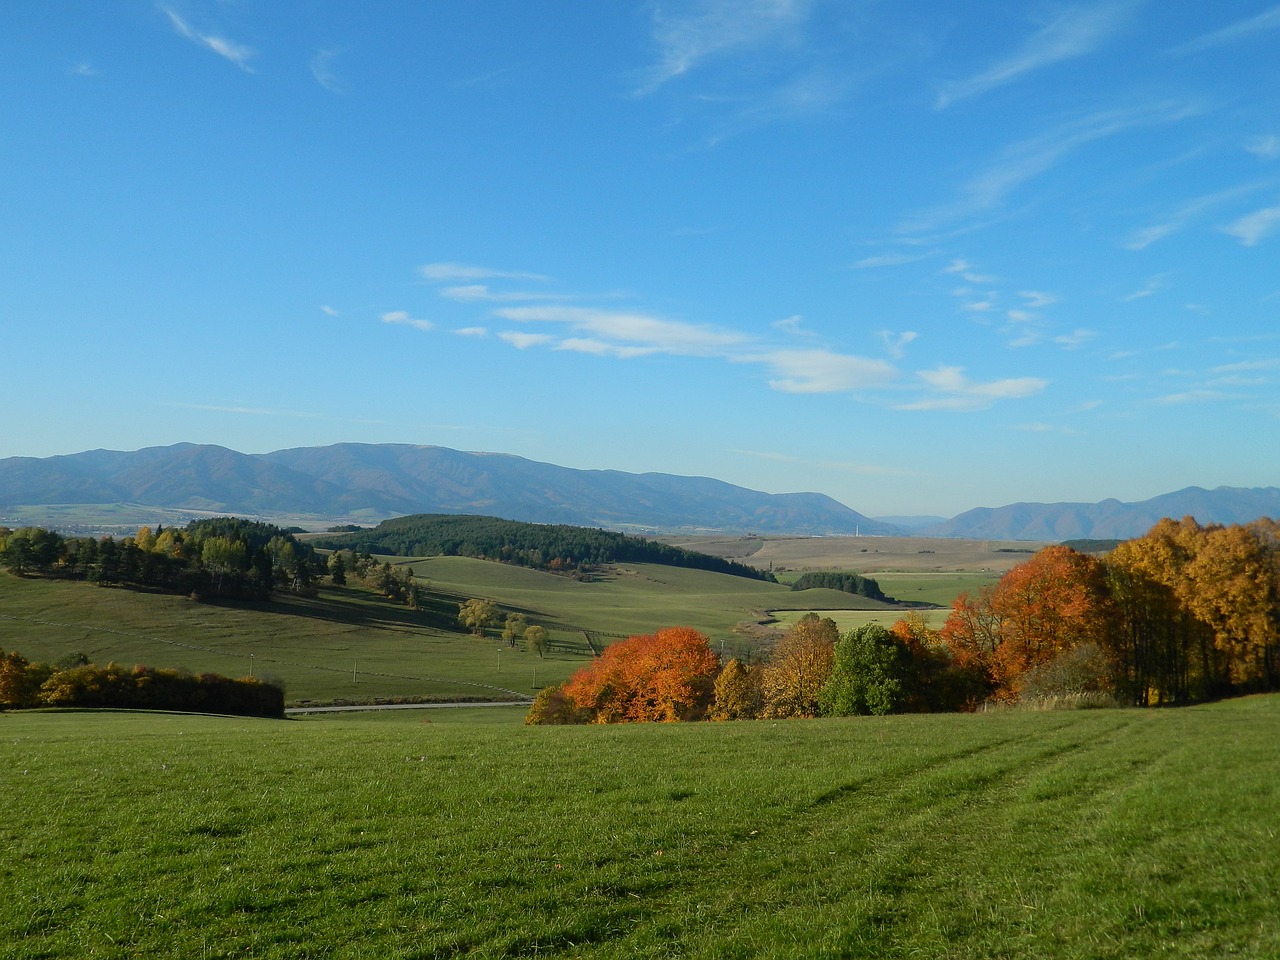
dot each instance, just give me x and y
(954, 391)
(329, 310)
(1075, 32)
(1187, 213)
(454, 272)
(1264, 22)
(322, 69)
(631, 329)
(793, 325)
(1076, 338)
(690, 33)
(889, 260)
(403, 318)
(82, 69)
(237, 53)
(895, 344)
(1028, 159)
(483, 293)
(822, 371)
(1252, 228)
(1037, 300)
(1200, 395)
(1264, 147)
(964, 269)
(523, 341)
(1152, 286)
(810, 94)
(631, 334)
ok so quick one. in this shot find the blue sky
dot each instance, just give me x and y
(919, 257)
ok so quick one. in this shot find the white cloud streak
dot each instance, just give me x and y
(237, 53)
(957, 392)
(1264, 147)
(458, 272)
(401, 317)
(1076, 32)
(1185, 214)
(1252, 228)
(694, 33)
(1024, 161)
(1240, 30)
(323, 72)
(822, 371)
(632, 329)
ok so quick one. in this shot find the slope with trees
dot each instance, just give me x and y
(554, 547)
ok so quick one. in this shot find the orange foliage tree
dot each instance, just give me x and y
(1055, 602)
(665, 676)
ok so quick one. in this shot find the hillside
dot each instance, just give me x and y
(377, 481)
(537, 545)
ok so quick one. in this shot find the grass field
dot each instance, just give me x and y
(345, 644)
(349, 644)
(1099, 834)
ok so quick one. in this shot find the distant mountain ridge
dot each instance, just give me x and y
(377, 481)
(372, 482)
(1109, 518)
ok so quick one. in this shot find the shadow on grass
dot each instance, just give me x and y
(349, 607)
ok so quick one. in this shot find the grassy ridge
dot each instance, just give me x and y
(1098, 834)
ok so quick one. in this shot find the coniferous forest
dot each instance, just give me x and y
(555, 547)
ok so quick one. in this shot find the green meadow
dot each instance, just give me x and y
(441, 833)
(349, 644)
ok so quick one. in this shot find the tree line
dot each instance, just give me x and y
(847, 582)
(214, 557)
(554, 547)
(1183, 614)
(25, 684)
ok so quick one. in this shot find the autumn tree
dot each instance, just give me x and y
(476, 615)
(665, 676)
(1232, 587)
(535, 639)
(737, 692)
(799, 667)
(514, 628)
(20, 680)
(552, 706)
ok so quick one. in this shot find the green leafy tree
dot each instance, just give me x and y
(872, 674)
(337, 569)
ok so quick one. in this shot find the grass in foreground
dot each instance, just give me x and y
(1092, 834)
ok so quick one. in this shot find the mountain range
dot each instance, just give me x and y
(369, 482)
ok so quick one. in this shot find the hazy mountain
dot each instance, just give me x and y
(1110, 518)
(371, 482)
(374, 481)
